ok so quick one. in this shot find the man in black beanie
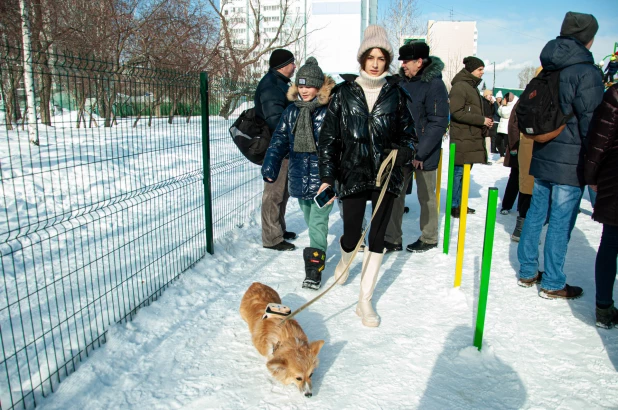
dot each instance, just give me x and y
(270, 102)
(558, 165)
(468, 120)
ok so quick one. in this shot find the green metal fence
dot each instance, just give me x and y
(237, 184)
(110, 207)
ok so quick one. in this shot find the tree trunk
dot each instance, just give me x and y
(229, 104)
(170, 119)
(7, 97)
(28, 75)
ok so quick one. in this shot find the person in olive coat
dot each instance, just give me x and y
(366, 119)
(600, 172)
(467, 122)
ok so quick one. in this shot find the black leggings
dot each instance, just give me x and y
(353, 213)
(512, 187)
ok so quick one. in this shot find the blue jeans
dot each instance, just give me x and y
(457, 183)
(593, 196)
(562, 204)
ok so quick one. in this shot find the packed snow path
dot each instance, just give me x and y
(191, 349)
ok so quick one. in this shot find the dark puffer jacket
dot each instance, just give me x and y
(561, 160)
(601, 166)
(270, 97)
(429, 109)
(303, 175)
(353, 140)
(467, 119)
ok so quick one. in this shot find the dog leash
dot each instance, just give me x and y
(390, 160)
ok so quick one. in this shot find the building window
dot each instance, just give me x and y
(269, 19)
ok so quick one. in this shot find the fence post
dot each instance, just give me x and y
(439, 183)
(206, 162)
(463, 216)
(488, 245)
(449, 200)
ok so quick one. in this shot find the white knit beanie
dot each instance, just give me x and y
(375, 36)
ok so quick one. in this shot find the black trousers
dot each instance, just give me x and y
(523, 204)
(493, 133)
(502, 143)
(353, 213)
(512, 187)
(605, 267)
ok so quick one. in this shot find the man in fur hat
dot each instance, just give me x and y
(421, 77)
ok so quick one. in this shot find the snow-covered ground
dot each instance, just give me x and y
(191, 349)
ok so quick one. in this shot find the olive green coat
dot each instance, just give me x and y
(467, 119)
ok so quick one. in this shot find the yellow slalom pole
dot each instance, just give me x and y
(439, 182)
(463, 213)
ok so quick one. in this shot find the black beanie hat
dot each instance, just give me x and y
(472, 63)
(414, 51)
(583, 27)
(280, 58)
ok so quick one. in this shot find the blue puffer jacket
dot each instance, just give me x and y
(430, 109)
(561, 160)
(303, 173)
(270, 97)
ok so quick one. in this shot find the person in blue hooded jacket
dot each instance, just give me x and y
(296, 135)
(558, 165)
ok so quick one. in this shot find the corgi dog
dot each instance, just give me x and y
(291, 358)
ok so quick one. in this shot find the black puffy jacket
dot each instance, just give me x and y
(303, 175)
(561, 160)
(270, 98)
(430, 110)
(602, 158)
(353, 140)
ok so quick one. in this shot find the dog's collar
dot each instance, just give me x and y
(276, 310)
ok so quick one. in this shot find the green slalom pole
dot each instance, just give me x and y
(449, 198)
(488, 245)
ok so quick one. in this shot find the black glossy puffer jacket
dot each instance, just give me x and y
(601, 166)
(303, 175)
(353, 140)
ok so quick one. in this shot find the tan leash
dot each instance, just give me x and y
(390, 160)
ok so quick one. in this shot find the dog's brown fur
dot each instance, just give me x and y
(292, 359)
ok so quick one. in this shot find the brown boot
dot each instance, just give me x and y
(567, 292)
(528, 283)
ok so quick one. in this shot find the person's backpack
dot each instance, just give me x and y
(251, 135)
(539, 115)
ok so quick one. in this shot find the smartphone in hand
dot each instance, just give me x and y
(323, 197)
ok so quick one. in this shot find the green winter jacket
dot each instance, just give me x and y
(467, 119)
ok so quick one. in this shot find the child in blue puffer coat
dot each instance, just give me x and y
(297, 135)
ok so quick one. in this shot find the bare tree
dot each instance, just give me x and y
(241, 58)
(33, 130)
(525, 75)
(401, 19)
(453, 65)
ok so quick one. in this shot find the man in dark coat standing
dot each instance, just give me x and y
(467, 122)
(421, 77)
(558, 165)
(270, 102)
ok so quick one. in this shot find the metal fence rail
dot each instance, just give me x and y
(98, 218)
(237, 184)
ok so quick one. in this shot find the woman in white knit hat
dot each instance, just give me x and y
(367, 118)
